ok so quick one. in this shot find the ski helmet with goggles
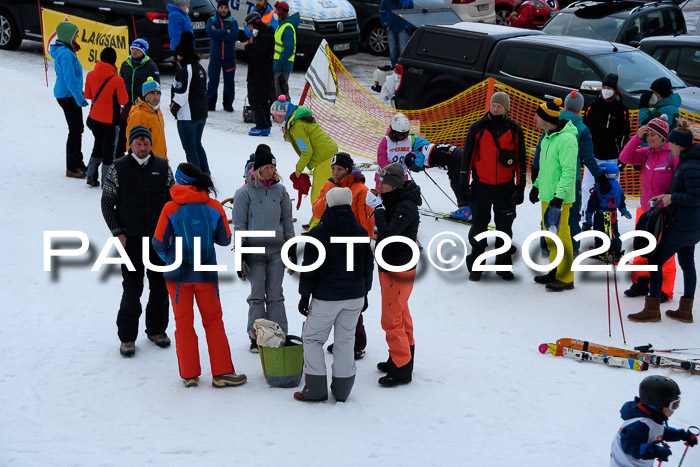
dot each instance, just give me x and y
(659, 392)
(611, 170)
(400, 124)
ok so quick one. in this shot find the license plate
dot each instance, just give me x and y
(198, 25)
(482, 7)
(340, 47)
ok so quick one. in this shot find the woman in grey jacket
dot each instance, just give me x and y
(264, 204)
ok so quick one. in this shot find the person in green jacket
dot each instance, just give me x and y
(660, 100)
(554, 184)
(312, 144)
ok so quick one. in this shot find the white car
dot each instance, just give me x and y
(482, 11)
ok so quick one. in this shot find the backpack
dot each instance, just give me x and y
(193, 220)
(655, 221)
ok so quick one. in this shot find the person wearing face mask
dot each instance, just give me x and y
(658, 164)
(660, 100)
(608, 120)
(135, 70)
(179, 22)
(146, 112)
(493, 178)
(267, 16)
(260, 57)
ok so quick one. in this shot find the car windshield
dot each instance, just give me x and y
(636, 70)
(568, 24)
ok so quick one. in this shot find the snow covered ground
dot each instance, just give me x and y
(481, 394)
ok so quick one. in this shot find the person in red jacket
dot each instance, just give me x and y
(523, 16)
(108, 93)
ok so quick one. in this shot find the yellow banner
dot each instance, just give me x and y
(92, 37)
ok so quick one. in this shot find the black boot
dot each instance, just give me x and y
(228, 107)
(548, 278)
(384, 367)
(638, 289)
(397, 375)
(211, 105)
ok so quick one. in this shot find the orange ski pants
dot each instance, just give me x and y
(186, 341)
(396, 318)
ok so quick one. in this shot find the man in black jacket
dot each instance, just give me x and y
(339, 295)
(493, 178)
(134, 192)
(260, 51)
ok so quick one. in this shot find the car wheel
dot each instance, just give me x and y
(502, 15)
(376, 40)
(10, 37)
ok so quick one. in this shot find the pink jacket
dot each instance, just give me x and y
(383, 159)
(657, 164)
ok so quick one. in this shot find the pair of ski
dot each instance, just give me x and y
(446, 217)
(617, 357)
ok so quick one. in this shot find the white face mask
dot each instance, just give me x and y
(654, 99)
(607, 93)
(255, 33)
(187, 11)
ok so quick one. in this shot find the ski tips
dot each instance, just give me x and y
(543, 348)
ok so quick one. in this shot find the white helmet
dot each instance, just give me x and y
(400, 123)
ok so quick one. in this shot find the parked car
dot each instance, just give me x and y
(680, 54)
(544, 10)
(625, 21)
(19, 20)
(440, 62)
(333, 20)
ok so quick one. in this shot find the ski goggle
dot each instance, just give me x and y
(398, 135)
(673, 405)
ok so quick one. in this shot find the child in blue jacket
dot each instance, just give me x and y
(601, 212)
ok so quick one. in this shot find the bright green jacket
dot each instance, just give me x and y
(310, 142)
(558, 163)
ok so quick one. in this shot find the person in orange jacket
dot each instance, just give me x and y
(146, 112)
(345, 175)
(107, 92)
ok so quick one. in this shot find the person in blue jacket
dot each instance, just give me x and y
(178, 22)
(396, 28)
(660, 100)
(68, 91)
(573, 104)
(222, 29)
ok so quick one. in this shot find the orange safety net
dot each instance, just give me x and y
(357, 121)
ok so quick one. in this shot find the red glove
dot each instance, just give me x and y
(301, 183)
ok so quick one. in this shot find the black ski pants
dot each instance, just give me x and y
(105, 139)
(74, 118)
(132, 284)
(483, 199)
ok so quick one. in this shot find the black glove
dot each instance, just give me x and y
(659, 452)
(174, 109)
(556, 202)
(686, 436)
(292, 254)
(534, 195)
(364, 307)
(245, 269)
(410, 161)
(304, 305)
(645, 98)
(518, 196)
(603, 184)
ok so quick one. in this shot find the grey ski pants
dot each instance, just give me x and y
(342, 316)
(266, 299)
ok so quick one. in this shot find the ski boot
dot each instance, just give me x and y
(462, 214)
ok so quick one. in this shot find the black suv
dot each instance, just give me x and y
(19, 19)
(625, 21)
(440, 62)
(680, 54)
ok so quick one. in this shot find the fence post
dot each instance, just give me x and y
(303, 94)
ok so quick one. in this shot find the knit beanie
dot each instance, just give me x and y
(150, 85)
(141, 44)
(66, 31)
(574, 102)
(344, 160)
(659, 126)
(393, 175)
(181, 2)
(610, 81)
(283, 6)
(549, 111)
(501, 98)
(222, 3)
(279, 107)
(684, 140)
(186, 46)
(139, 130)
(108, 55)
(263, 157)
(338, 197)
(663, 87)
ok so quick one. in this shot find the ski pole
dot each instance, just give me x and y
(619, 309)
(607, 276)
(421, 193)
(693, 430)
(648, 349)
(664, 445)
(436, 184)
